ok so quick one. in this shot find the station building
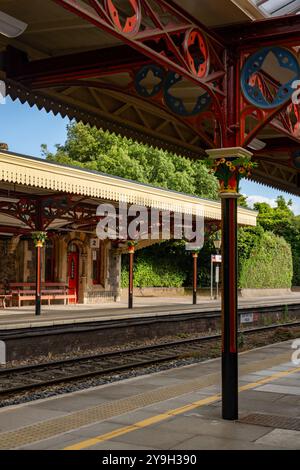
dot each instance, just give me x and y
(65, 199)
(217, 80)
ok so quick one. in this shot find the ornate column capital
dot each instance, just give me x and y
(230, 165)
(39, 238)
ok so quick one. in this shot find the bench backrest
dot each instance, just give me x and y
(31, 285)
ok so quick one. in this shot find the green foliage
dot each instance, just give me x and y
(148, 273)
(108, 153)
(242, 202)
(269, 264)
(248, 239)
(281, 221)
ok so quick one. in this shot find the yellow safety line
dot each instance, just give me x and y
(168, 414)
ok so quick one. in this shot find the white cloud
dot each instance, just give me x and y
(296, 208)
(251, 200)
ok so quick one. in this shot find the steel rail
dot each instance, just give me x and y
(18, 379)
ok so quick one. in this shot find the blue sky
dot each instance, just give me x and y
(25, 129)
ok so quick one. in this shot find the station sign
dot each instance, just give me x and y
(247, 318)
(216, 258)
(94, 242)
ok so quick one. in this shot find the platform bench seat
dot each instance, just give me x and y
(22, 292)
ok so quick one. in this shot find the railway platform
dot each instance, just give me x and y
(24, 317)
(91, 327)
(177, 409)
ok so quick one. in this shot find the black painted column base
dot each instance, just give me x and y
(230, 386)
(38, 306)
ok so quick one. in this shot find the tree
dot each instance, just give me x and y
(242, 202)
(108, 153)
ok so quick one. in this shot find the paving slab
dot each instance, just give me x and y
(191, 423)
(196, 424)
(281, 438)
(25, 416)
(216, 443)
(158, 439)
(280, 389)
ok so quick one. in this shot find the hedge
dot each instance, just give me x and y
(154, 273)
(270, 264)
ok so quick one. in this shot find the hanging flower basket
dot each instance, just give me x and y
(39, 239)
(230, 171)
(131, 246)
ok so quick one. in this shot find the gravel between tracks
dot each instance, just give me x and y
(208, 351)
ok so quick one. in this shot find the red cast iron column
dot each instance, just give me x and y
(130, 285)
(39, 239)
(229, 165)
(195, 277)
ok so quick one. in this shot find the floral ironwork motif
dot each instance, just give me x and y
(132, 23)
(39, 238)
(230, 171)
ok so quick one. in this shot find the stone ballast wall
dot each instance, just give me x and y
(204, 292)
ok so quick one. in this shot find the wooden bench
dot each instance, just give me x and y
(25, 291)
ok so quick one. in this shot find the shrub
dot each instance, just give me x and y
(151, 273)
(269, 265)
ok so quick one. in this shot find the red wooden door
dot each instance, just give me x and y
(73, 262)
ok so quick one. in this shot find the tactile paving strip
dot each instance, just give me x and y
(272, 421)
(49, 428)
(53, 427)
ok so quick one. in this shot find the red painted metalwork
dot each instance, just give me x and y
(198, 122)
(57, 70)
(163, 43)
(278, 118)
(132, 24)
(195, 277)
(38, 281)
(51, 207)
(195, 38)
(23, 210)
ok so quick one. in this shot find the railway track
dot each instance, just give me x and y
(19, 379)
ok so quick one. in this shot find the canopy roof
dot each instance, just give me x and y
(23, 177)
(169, 83)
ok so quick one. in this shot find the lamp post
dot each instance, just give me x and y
(217, 242)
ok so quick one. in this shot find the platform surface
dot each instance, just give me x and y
(174, 409)
(24, 317)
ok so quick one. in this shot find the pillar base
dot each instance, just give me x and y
(230, 386)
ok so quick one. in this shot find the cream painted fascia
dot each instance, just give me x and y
(17, 169)
(250, 9)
